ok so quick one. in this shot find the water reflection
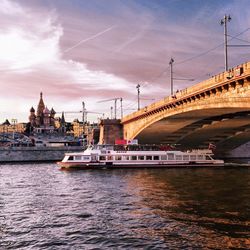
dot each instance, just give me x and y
(43, 208)
(200, 207)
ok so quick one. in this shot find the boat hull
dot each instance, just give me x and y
(101, 165)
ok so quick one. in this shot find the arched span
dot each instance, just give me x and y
(224, 94)
(155, 127)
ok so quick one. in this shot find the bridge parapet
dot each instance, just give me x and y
(219, 83)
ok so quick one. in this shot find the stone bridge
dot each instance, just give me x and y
(213, 111)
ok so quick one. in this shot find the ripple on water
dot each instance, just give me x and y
(43, 208)
(83, 216)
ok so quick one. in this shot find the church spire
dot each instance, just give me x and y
(62, 119)
(40, 106)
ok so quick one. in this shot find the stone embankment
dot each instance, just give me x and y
(35, 154)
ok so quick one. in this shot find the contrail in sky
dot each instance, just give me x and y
(89, 38)
(131, 40)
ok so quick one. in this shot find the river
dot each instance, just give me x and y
(42, 207)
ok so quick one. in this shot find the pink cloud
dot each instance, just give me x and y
(72, 56)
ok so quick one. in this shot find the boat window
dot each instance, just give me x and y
(141, 157)
(78, 157)
(171, 156)
(149, 157)
(133, 157)
(156, 157)
(208, 157)
(110, 157)
(192, 157)
(185, 157)
(164, 157)
(178, 157)
(71, 158)
(126, 157)
(118, 157)
(102, 157)
(85, 158)
(200, 157)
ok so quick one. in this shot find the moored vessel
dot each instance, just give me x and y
(137, 156)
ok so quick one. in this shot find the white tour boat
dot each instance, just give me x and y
(135, 156)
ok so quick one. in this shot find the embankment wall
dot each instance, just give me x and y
(35, 154)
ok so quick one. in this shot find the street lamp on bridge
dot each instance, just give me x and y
(224, 22)
(172, 77)
(138, 95)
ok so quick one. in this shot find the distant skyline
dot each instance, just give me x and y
(89, 51)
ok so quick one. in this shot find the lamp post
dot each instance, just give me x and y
(171, 76)
(121, 108)
(138, 95)
(224, 22)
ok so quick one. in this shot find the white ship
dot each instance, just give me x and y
(136, 156)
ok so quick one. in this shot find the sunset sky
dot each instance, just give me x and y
(92, 50)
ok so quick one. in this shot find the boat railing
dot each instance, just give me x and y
(132, 147)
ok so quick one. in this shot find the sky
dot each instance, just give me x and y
(91, 51)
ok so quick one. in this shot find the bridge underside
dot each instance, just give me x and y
(227, 128)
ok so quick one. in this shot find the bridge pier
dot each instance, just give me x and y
(110, 130)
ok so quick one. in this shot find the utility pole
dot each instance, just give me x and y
(138, 95)
(224, 22)
(83, 113)
(111, 112)
(171, 76)
(121, 109)
(115, 107)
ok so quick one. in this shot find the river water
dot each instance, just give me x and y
(42, 207)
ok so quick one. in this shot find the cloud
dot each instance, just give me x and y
(31, 61)
(10, 8)
(88, 50)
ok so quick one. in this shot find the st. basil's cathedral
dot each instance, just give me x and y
(43, 120)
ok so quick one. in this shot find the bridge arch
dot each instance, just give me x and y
(218, 96)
